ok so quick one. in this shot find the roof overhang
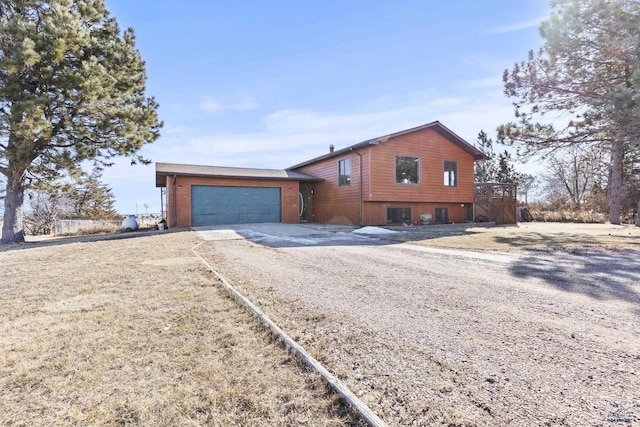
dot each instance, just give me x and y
(175, 169)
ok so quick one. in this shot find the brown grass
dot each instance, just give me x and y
(525, 236)
(136, 332)
(569, 216)
(107, 228)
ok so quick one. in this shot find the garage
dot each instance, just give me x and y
(196, 195)
(213, 205)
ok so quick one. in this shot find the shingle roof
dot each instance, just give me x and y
(165, 169)
(436, 126)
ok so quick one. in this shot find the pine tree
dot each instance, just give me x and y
(72, 89)
(499, 169)
(506, 172)
(92, 199)
(485, 171)
(588, 71)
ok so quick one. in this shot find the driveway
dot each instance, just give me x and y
(286, 235)
(430, 336)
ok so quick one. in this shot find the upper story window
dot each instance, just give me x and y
(344, 172)
(450, 174)
(407, 170)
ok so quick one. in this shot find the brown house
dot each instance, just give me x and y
(393, 179)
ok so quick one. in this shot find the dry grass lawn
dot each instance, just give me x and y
(136, 332)
(525, 236)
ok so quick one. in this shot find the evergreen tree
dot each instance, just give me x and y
(92, 199)
(485, 171)
(506, 172)
(588, 71)
(72, 89)
(499, 169)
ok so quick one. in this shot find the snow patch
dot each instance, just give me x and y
(374, 230)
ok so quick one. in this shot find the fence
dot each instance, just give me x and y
(73, 226)
(495, 202)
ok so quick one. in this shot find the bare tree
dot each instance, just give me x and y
(526, 185)
(573, 172)
(45, 209)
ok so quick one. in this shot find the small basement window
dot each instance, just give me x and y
(344, 172)
(442, 215)
(407, 170)
(398, 215)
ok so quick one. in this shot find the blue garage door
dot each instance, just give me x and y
(234, 205)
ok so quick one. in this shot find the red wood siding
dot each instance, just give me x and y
(331, 203)
(340, 205)
(432, 149)
(375, 213)
(181, 217)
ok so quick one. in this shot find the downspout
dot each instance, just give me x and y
(360, 195)
(175, 201)
(162, 206)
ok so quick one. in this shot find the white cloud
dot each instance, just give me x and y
(523, 25)
(244, 105)
(212, 106)
(291, 136)
(174, 130)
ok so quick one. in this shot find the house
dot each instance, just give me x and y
(393, 179)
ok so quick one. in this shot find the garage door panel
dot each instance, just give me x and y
(234, 205)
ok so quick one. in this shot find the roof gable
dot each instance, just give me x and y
(435, 126)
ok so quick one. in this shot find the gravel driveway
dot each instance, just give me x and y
(431, 336)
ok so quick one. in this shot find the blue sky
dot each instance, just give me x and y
(271, 84)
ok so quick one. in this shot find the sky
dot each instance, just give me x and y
(269, 84)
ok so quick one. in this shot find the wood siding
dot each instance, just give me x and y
(341, 205)
(376, 212)
(432, 149)
(179, 196)
(331, 203)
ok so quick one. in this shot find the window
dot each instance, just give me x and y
(398, 215)
(344, 172)
(442, 215)
(407, 169)
(450, 173)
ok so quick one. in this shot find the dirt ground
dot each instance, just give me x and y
(428, 335)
